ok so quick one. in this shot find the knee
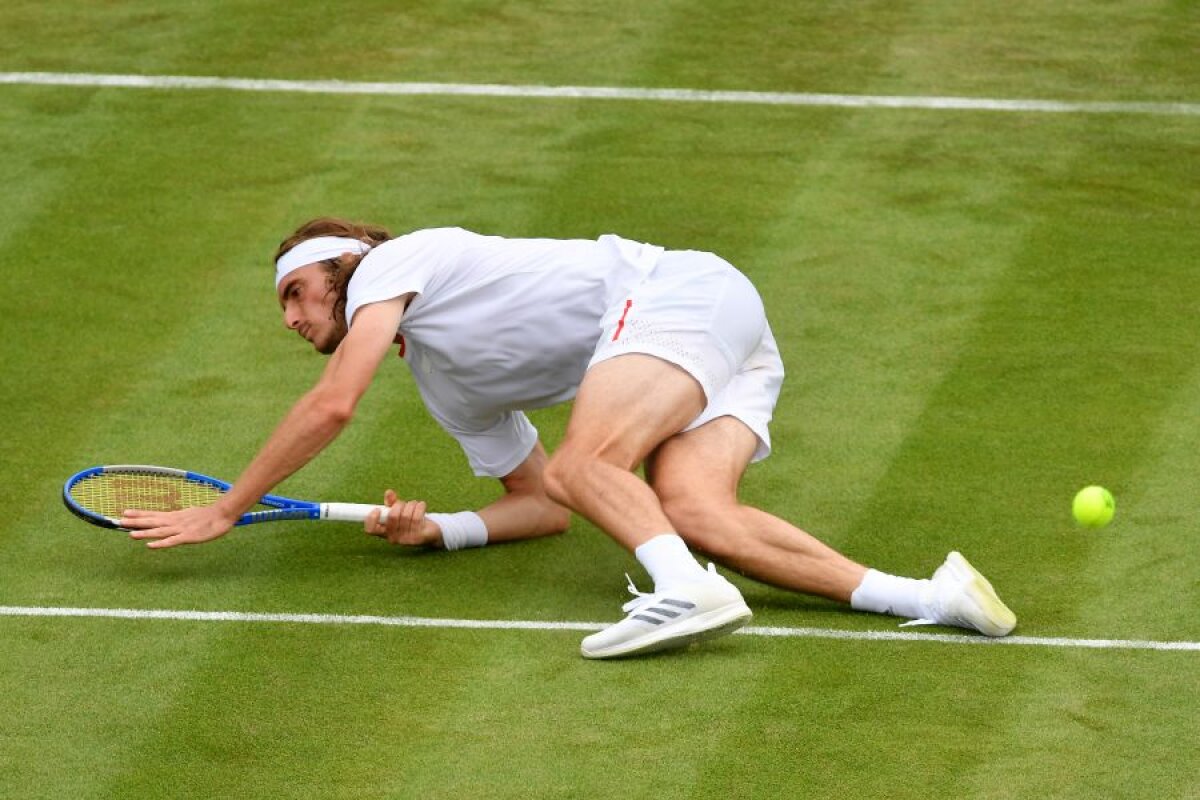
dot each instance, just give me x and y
(574, 470)
(560, 476)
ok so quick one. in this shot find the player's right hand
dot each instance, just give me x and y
(406, 523)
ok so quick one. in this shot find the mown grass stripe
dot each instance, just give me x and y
(550, 625)
(598, 93)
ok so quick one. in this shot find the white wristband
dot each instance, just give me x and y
(460, 530)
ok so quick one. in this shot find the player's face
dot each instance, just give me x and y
(307, 303)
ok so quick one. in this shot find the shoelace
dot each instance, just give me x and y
(639, 598)
(644, 598)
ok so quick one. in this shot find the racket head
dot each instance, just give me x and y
(99, 495)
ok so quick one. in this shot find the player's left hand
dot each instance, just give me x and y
(171, 528)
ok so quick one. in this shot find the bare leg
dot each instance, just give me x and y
(696, 475)
(625, 408)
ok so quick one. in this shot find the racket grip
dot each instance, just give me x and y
(351, 512)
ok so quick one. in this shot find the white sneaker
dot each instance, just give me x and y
(960, 596)
(689, 612)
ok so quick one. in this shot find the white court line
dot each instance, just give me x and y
(497, 624)
(596, 92)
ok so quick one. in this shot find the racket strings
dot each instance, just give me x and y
(109, 494)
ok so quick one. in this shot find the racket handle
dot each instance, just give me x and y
(351, 512)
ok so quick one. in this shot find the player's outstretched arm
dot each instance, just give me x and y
(313, 422)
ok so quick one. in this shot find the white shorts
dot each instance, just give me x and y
(698, 312)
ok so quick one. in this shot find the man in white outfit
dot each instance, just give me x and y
(671, 364)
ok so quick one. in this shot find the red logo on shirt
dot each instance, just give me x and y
(400, 341)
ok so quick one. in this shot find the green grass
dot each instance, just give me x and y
(979, 312)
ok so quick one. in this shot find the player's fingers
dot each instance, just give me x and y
(133, 518)
(388, 524)
(156, 533)
(414, 512)
(147, 529)
(371, 524)
(395, 522)
(400, 522)
(170, 541)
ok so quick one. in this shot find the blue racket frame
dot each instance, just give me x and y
(280, 508)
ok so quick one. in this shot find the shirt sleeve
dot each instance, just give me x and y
(399, 266)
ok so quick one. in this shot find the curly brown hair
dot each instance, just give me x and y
(340, 269)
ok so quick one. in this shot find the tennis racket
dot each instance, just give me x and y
(99, 495)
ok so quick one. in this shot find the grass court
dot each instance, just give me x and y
(980, 311)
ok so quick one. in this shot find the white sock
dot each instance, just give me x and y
(668, 561)
(891, 594)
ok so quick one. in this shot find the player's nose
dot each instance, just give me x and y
(291, 319)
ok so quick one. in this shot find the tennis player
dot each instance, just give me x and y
(671, 364)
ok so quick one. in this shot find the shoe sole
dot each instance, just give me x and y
(996, 618)
(700, 628)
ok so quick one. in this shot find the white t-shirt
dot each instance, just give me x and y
(498, 325)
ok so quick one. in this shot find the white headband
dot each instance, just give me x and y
(313, 250)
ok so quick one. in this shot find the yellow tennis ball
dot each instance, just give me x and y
(1093, 507)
